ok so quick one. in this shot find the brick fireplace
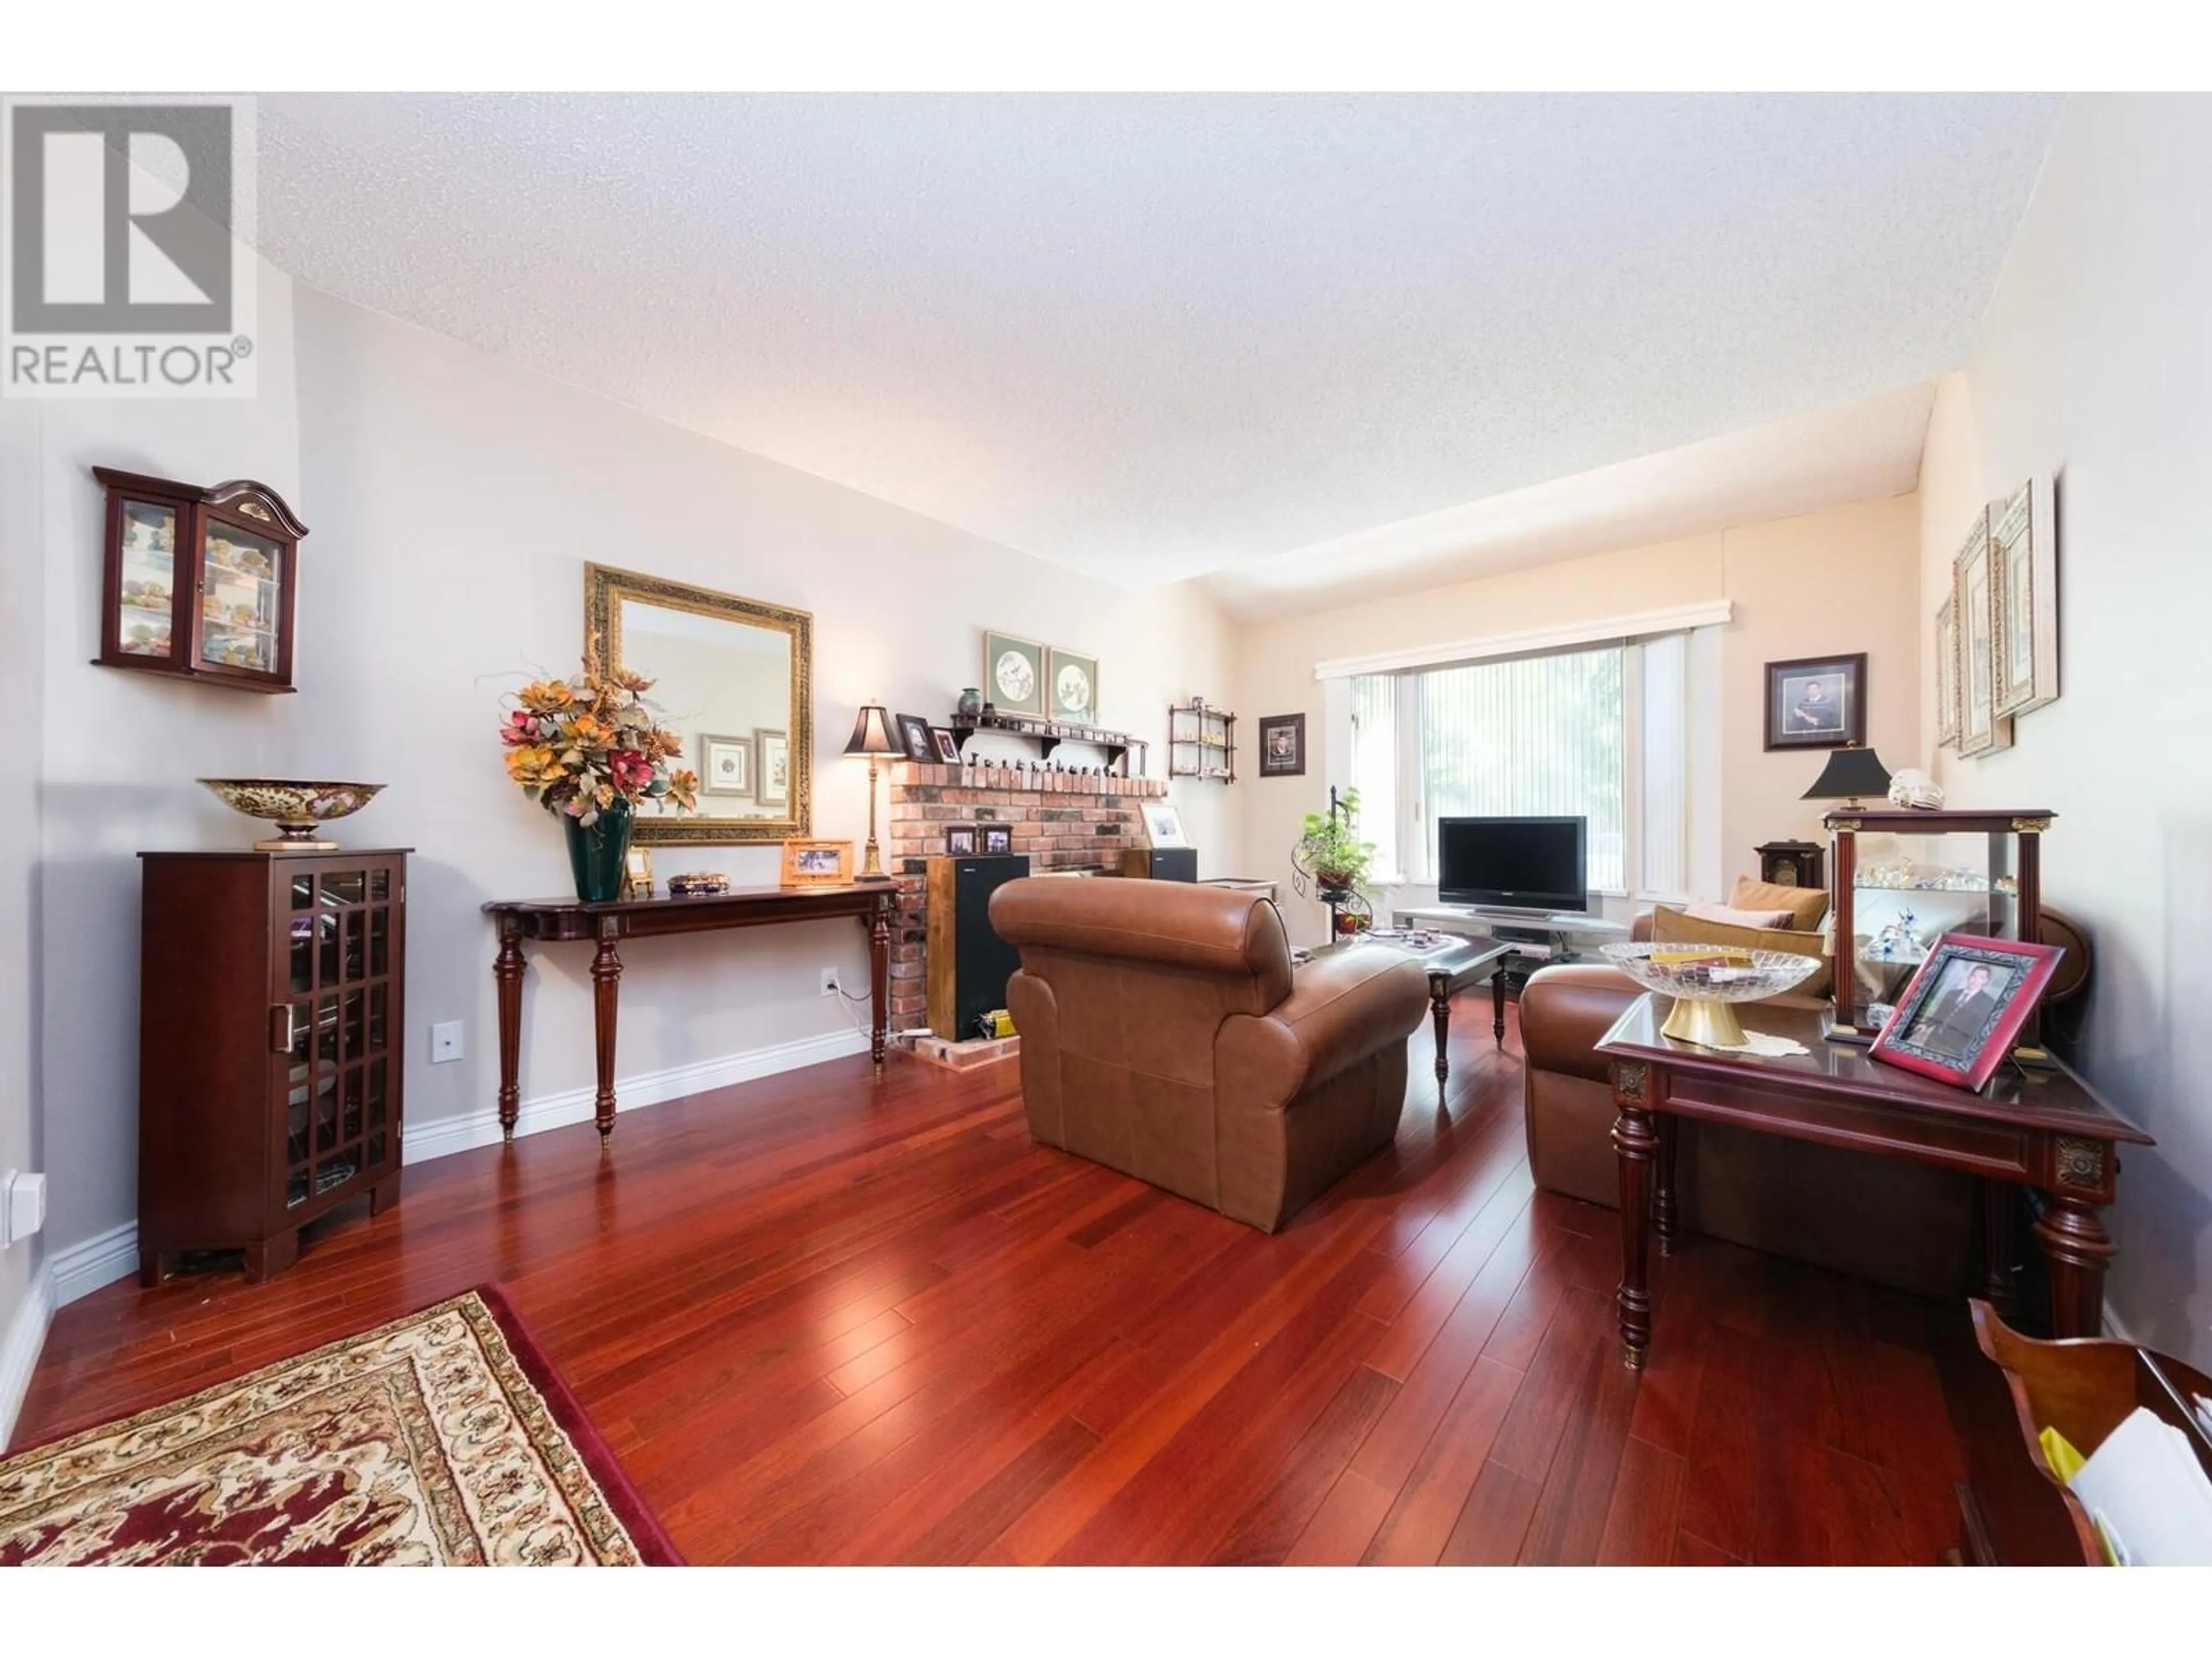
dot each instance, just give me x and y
(1062, 820)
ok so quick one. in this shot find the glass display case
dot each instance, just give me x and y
(1906, 877)
(200, 583)
(270, 1076)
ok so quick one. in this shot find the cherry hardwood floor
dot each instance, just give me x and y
(832, 1317)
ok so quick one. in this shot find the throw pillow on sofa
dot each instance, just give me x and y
(1808, 904)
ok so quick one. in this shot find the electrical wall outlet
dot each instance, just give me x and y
(23, 1206)
(831, 987)
(445, 1042)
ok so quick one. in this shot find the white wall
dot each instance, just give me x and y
(2092, 367)
(22, 694)
(452, 502)
(122, 751)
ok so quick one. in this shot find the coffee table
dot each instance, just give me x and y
(1461, 965)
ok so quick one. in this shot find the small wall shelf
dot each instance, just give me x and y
(1201, 742)
(1121, 750)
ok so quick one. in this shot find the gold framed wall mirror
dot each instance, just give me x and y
(736, 677)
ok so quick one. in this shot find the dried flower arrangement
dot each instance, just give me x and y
(578, 747)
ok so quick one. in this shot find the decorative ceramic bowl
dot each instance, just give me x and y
(1705, 978)
(293, 807)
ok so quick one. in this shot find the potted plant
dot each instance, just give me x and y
(590, 751)
(1330, 849)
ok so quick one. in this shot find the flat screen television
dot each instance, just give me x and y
(1514, 863)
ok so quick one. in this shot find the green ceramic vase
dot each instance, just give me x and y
(596, 854)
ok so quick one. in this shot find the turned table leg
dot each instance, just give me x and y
(2077, 1250)
(1497, 1002)
(606, 981)
(1997, 1244)
(1440, 1012)
(507, 969)
(1664, 1214)
(878, 925)
(1637, 1144)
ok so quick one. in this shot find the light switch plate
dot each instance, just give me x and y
(445, 1041)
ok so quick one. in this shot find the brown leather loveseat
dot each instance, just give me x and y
(1165, 1034)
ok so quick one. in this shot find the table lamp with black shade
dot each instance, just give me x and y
(872, 736)
(1850, 773)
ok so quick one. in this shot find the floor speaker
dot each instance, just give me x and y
(969, 963)
(1161, 863)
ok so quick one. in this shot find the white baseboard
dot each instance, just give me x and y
(444, 1136)
(100, 1259)
(19, 1348)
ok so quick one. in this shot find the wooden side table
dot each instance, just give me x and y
(2045, 1129)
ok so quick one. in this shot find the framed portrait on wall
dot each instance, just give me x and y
(1816, 702)
(1282, 745)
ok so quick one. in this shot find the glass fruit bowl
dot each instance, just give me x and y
(295, 807)
(1705, 978)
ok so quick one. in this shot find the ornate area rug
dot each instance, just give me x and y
(441, 1439)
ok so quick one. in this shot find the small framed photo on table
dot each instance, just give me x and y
(948, 746)
(960, 841)
(1957, 1019)
(1817, 703)
(913, 732)
(818, 863)
(1163, 824)
(998, 839)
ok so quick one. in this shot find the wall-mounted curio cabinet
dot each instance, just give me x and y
(200, 583)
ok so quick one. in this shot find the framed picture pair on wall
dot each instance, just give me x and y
(1048, 682)
(1996, 636)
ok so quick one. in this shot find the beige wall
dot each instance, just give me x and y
(2091, 367)
(1840, 580)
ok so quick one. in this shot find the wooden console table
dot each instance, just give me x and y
(872, 904)
(2045, 1129)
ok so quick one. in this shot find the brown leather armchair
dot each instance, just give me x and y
(1165, 1034)
(1899, 1224)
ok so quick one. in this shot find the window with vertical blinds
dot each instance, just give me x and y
(1600, 734)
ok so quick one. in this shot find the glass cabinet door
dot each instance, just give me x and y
(339, 973)
(146, 598)
(241, 599)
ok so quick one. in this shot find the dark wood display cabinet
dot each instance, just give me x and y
(200, 583)
(272, 999)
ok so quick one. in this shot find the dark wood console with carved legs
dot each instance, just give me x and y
(872, 904)
(2044, 1129)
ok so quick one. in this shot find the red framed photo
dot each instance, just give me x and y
(1957, 1020)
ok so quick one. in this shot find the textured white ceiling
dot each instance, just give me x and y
(1158, 335)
